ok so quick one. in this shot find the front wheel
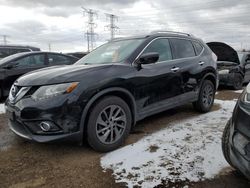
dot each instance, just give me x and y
(206, 97)
(109, 124)
(225, 142)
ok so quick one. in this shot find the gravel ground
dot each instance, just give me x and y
(28, 164)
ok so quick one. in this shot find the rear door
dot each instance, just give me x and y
(187, 55)
(157, 85)
(21, 66)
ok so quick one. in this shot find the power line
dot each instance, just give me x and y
(112, 27)
(90, 34)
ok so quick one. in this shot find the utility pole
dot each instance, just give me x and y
(49, 45)
(90, 33)
(5, 41)
(112, 27)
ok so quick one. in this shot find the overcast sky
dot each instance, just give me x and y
(63, 24)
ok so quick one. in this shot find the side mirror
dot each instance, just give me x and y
(149, 58)
(9, 66)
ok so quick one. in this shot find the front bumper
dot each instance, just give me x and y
(240, 140)
(226, 79)
(63, 113)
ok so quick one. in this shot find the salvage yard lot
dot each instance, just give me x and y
(175, 148)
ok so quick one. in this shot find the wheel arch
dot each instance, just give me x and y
(115, 91)
(211, 77)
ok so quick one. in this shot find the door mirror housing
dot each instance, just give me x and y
(9, 66)
(149, 58)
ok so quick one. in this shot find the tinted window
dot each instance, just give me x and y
(162, 47)
(182, 48)
(198, 47)
(30, 61)
(55, 59)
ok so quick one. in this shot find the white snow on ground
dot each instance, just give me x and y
(2, 109)
(187, 150)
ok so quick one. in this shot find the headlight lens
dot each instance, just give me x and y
(49, 91)
(224, 71)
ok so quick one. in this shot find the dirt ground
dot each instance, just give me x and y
(28, 164)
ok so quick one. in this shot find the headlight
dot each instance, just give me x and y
(246, 94)
(49, 91)
(224, 72)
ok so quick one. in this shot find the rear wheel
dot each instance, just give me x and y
(225, 142)
(109, 124)
(238, 82)
(206, 97)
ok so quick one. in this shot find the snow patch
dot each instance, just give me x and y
(2, 108)
(187, 150)
(238, 91)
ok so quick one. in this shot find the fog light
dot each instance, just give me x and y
(45, 126)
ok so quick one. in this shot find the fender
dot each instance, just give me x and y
(216, 78)
(102, 93)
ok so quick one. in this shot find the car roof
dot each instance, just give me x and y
(156, 34)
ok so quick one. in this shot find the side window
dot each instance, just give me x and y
(55, 59)
(30, 61)
(182, 48)
(162, 47)
(23, 62)
(198, 48)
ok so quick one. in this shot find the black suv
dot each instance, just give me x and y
(105, 93)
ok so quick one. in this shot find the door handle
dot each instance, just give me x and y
(201, 63)
(175, 69)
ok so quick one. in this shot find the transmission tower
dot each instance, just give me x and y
(112, 27)
(91, 25)
(5, 41)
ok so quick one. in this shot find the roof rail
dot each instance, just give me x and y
(171, 32)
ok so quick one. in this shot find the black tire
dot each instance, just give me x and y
(202, 105)
(225, 142)
(238, 82)
(96, 138)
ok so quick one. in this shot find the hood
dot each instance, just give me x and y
(58, 74)
(224, 52)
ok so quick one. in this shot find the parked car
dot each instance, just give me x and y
(244, 58)
(16, 65)
(7, 50)
(231, 72)
(236, 135)
(77, 54)
(106, 92)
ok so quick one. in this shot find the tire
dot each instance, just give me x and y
(238, 82)
(106, 132)
(225, 142)
(206, 97)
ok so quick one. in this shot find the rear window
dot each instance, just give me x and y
(182, 48)
(198, 47)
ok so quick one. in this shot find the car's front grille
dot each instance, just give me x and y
(17, 92)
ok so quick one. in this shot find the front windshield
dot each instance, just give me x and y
(112, 52)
